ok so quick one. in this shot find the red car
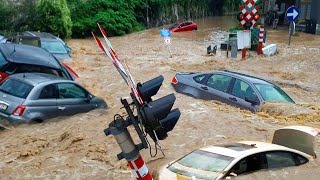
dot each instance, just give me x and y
(184, 26)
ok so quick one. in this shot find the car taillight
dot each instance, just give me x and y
(18, 111)
(174, 80)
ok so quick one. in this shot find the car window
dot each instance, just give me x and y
(10, 69)
(70, 90)
(183, 24)
(23, 68)
(205, 161)
(3, 62)
(55, 47)
(278, 159)
(242, 90)
(272, 93)
(299, 159)
(251, 163)
(219, 82)
(49, 92)
(199, 78)
(16, 88)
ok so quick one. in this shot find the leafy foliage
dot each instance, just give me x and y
(79, 17)
(54, 16)
(118, 18)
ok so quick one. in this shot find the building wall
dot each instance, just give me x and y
(315, 14)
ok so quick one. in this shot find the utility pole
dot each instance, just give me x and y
(147, 13)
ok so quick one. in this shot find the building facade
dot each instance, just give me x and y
(309, 11)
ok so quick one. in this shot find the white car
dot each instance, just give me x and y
(291, 146)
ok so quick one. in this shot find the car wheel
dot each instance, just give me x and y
(194, 29)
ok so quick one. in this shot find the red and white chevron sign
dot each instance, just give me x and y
(249, 10)
(249, 3)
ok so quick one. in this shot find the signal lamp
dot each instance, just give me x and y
(256, 17)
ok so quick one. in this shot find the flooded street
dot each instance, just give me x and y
(76, 147)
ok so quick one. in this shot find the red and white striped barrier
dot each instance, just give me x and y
(261, 35)
(139, 169)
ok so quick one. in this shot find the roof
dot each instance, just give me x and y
(37, 78)
(25, 54)
(258, 147)
(40, 34)
(246, 77)
(306, 129)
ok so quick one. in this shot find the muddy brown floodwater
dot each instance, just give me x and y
(76, 147)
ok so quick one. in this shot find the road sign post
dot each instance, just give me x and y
(292, 14)
(292, 29)
(166, 35)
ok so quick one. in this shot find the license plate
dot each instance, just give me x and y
(3, 107)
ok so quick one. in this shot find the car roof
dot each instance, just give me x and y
(38, 78)
(25, 54)
(246, 77)
(256, 148)
(41, 35)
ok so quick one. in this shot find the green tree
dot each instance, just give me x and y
(6, 13)
(54, 16)
(117, 17)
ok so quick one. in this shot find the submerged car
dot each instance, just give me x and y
(2, 39)
(56, 46)
(18, 58)
(291, 146)
(240, 90)
(29, 97)
(27, 40)
(184, 26)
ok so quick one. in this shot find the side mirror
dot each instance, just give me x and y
(89, 97)
(251, 100)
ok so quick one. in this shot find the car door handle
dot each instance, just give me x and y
(204, 88)
(233, 99)
(61, 108)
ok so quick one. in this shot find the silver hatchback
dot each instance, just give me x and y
(29, 97)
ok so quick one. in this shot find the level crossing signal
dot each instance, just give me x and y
(248, 15)
(157, 116)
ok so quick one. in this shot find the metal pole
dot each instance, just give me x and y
(118, 128)
(169, 51)
(292, 28)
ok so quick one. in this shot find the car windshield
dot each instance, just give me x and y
(174, 26)
(16, 88)
(55, 47)
(206, 161)
(272, 93)
(201, 164)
